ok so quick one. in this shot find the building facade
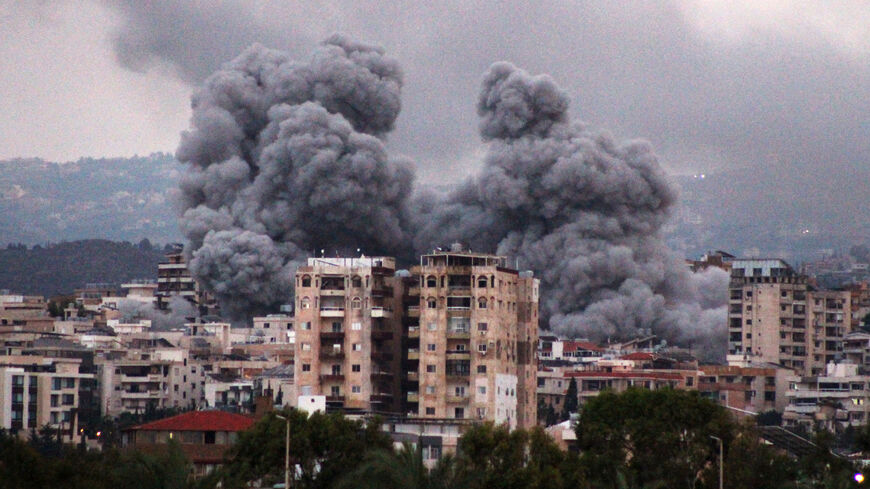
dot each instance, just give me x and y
(471, 352)
(348, 332)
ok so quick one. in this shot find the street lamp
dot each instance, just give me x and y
(286, 452)
(721, 466)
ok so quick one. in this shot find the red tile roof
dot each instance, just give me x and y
(580, 345)
(627, 375)
(638, 355)
(199, 421)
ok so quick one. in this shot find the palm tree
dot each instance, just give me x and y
(403, 469)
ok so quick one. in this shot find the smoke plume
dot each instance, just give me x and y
(284, 158)
(179, 311)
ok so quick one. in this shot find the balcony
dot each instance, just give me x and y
(454, 399)
(381, 397)
(332, 335)
(414, 291)
(413, 354)
(458, 334)
(458, 373)
(458, 355)
(332, 312)
(413, 396)
(413, 332)
(382, 291)
(382, 356)
(332, 353)
(382, 334)
(335, 399)
(331, 293)
(332, 377)
(381, 312)
(413, 376)
(382, 374)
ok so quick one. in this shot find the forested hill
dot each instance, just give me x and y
(60, 268)
(122, 199)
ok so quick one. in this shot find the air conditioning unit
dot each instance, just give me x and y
(482, 333)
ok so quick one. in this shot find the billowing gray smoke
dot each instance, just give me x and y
(178, 312)
(284, 160)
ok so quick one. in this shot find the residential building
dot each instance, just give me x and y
(832, 402)
(174, 279)
(746, 388)
(163, 377)
(348, 332)
(472, 353)
(775, 317)
(36, 391)
(204, 436)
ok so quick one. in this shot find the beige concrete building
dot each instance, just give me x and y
(348, 332)
(471, 352)
(36, 391)
(775, 317)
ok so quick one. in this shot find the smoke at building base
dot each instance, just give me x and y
(284, 157)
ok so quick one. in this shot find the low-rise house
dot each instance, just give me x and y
(204, 436)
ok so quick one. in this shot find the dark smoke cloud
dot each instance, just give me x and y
(283, 159)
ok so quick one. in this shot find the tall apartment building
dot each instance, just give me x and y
(173, 278)
(36, 391)
(774, 316)
(471, 339)
(348, 338)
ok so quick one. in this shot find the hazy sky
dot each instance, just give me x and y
(715, 84)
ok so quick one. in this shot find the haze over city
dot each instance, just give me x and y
(479, 221)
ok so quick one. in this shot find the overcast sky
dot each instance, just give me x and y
(712, 84)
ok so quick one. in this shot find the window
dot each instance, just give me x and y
(431, 303)
(481, 303)
(430, 369)
(481, 348)
(430, 411)
(356, 326)
(459, 391)
(355, 389)
(305, 303)
(430, 389)
(306, 281)
(356, 282)
(431, 347)
(356, 303)
(481, 282)
(306, 346)
(355, 367)
(357, 347)
(481, 389)
(306, 325)
(265, 325)
(459, 413)
(306, 367)
(432, 326)
(481, 369)
(481, 326)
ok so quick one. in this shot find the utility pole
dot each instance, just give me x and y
(721, 459)
(286, 452)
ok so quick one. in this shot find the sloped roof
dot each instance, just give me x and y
(199, 421)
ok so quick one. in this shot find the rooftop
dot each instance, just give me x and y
(199, 421)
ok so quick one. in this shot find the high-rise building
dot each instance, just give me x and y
(348, 339)
(775, 316)
(471, 339)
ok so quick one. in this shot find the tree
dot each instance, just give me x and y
(323, 447)
(570, 405)
(769, 418)
(494, 457)
(403, 469)
(657, 438)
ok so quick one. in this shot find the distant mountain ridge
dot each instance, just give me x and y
(110, 198)
(63, 267)
(776, 210)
